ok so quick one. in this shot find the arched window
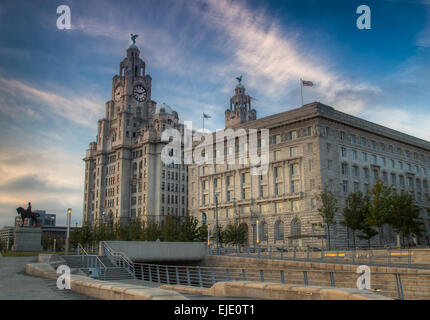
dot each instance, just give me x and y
(264, 231)
(134, 166)
(279, 230)
(296, 228)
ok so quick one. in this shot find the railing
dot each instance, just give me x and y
(403, 258)
(118, 258)
(92, 262)
(394, 285)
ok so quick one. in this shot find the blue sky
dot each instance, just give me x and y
(54, 83)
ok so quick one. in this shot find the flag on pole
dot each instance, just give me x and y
(307, 83)
(206, 116)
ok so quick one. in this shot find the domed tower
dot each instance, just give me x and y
(240, 107)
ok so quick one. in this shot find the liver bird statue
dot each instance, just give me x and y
(239, 79)
(133, 37)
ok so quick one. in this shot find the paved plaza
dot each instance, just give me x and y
(15, 284)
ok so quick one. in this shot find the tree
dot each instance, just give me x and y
(189, 230)
(136, 230)
(380, 206)
(151, 231)
(169, 231)
(328, 209)
(404, 216)
(47, 241)
(86, 235)
(220, 235)
(75, 237)
(202, 233)
(354, 212)
(367, 232)
(234, 234)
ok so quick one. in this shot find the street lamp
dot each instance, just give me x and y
(209, 236)
(69, 217)
(258, 231)
(216, 215)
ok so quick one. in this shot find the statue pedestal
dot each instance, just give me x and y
(27, 239)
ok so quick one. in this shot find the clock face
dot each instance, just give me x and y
(139, 93)
(118, 94)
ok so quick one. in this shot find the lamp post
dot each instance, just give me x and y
(216, 222)
(69, 217)
(257, 222)
(209, 235)
(238, 223)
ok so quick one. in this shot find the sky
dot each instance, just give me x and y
(54, 83)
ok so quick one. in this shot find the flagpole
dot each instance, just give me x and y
(301, 89)
(203, 122)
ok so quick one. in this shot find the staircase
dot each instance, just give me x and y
(101, 265)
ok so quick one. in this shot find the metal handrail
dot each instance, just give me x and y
(91, 255)
(393, 257)
(208, 276)
(112, 255)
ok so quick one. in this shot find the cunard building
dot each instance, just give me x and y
(310, 147)
(124, 175)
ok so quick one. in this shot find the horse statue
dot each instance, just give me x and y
(27, 215)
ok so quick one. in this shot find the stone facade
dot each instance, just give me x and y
(310, 147)
(124, 175)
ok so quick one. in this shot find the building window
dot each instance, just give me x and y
(345, 186)
(344, 169)
(344, 153)
(279, 230)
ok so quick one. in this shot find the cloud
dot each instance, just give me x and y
(274, 60)
(18, 98)
(50, 178)
(423, 38)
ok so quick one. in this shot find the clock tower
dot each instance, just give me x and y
(125, 178)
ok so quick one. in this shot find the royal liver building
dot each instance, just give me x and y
(124, 175)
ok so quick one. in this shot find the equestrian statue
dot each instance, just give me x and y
(28, 214)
